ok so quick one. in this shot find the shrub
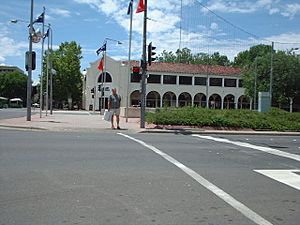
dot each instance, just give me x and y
(276, 119)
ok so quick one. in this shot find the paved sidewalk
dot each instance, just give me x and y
(88, 121)
(69, 121)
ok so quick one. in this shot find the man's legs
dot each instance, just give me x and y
(118, 121)
(112, 121)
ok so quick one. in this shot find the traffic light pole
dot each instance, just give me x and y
(144, 69)
(28, 102)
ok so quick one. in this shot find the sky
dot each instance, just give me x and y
(225, 26)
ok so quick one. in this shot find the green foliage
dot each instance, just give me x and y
(286, 73)
(13, 85)
(277, 120)
(185, 56)
(67, 83)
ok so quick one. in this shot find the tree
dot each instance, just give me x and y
(246, 58)
(13, 85)
(186, 56)
(286, 73)
(67, 83)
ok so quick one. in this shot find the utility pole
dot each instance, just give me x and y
(271, 73)
(28, 102)
(255, 85)
(144, 69)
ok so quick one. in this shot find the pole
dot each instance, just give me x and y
(144, 69)
(51, 74)
(129, 64)
(101, 92)
(104, 81)
(255, 85)
(47, 81)
(41, 78)
(28, 100)
(271, 74)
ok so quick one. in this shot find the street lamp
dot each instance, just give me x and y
(103, 81)
(290, 98)
(29, 84)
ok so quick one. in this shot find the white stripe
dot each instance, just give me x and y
(210, 186)
(288, 177)
(256, 147)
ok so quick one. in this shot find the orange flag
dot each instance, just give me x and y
(141, 6)
(100, 66)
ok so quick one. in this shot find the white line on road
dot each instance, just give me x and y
(208, 185)
(256, 147)
(288, 177)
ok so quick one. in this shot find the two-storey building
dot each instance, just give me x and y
(168, 85)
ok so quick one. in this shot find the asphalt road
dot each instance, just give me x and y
(112, 178)
(15, 112)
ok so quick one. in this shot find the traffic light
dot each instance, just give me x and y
(32, 61)
(136, 73)
(151, 53)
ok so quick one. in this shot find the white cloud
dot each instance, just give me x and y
(163, 25)
(214, 26)
(9, 47)
(291, 10)
(60, 12)
(274, 11)
(236, 6)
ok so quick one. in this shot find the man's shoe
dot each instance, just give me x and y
(118, 128)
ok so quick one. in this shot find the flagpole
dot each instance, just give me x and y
(51, 71)
(104, 78)
(42, 56)
(144, 69)
(129, 58)
(47, 81)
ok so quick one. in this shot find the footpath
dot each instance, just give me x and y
(72, 121)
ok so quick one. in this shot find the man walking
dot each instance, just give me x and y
(114, 102)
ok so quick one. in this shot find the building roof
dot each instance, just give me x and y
(166, 67)
(9, 69)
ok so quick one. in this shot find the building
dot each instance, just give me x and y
(10, 69)
(168, 85)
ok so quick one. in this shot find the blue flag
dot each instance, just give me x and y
(129, 10)
(102, 49)
(46, 34)
(40, 19)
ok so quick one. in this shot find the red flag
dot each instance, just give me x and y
(141, 6)
(100, 66)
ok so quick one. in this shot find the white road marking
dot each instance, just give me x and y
(256, 147)
(288, 177)
(208, 185)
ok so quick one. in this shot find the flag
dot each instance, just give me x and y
(40, 19)
(46, 34)
(103, 48)
(100, 66)
(141, 6)
(130, 7)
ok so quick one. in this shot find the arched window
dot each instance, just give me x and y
(106, 79)
(200, 100)
(184, 99)
(169, 99)
(153, 99)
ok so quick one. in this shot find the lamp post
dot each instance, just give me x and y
(103, 81)
(292, 51)
(29, 85)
